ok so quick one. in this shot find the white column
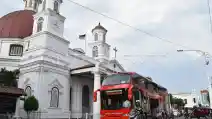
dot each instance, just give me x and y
(17, 110)
(97, 85)
(67, 94)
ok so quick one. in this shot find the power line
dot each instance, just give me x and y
(125, 24)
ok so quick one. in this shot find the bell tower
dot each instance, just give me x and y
(48, 18)
(100, 49)
(48, 27)
(45, 66)
(32, 4)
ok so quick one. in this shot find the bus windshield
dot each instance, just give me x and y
(113, 99)
(116, 79)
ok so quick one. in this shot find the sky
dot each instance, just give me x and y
(182, 22)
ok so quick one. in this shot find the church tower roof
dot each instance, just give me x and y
(99, 26)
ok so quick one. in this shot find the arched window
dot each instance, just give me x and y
(104, 37)
(16, 50)
(40, 24)
(30, 3)
(96, 37)
(44, 4)
(54, 97)
(35, 5)
(85, 98)
(95, 51)
(28, 91)
(26, 3)
(56, 6)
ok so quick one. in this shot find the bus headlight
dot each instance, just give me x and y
(102, 115)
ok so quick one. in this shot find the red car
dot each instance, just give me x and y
(198, 112)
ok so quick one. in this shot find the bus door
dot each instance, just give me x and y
(137, 98)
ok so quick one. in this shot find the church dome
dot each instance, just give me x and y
(18, 24)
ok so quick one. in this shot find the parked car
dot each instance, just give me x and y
(199, 112)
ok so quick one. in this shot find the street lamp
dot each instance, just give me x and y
(206, 55)
(179, 50)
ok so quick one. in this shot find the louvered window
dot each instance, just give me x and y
(16, 50)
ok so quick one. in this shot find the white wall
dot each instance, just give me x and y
(6, 61)
(78, 83)
(5, 46)
(189, 97)
(42, 80)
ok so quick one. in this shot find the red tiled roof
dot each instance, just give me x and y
(204, 91)
(18, 24)
(11, 90)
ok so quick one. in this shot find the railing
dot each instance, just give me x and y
(6, 116)
(46, 115)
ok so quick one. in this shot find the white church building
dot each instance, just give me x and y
(61, 78)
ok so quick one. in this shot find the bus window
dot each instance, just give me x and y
(116, 79)
(113, 101)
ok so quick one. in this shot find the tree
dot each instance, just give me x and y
(8, 78)
(31, 104)
(171, 99)
(176, 101)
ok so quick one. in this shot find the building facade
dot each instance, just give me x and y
(204, 97)
(61, 78)
(189, 99)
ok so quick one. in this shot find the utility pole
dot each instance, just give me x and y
(206, 56)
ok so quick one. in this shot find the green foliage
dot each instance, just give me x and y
(8, 78)
(31, 104)
(178, 101)
(171, 99)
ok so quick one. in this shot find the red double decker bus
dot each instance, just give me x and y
(121, 92)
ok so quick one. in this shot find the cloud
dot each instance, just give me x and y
(184, 22)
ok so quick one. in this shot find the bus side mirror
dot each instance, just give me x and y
(95, 95)
(130, 93)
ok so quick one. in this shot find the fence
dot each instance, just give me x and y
(46, 115)
(32, 115)
(22, 115)
(6, 116)
(81, 115)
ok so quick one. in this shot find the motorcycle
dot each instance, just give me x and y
(186, 115)
(138, 112)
